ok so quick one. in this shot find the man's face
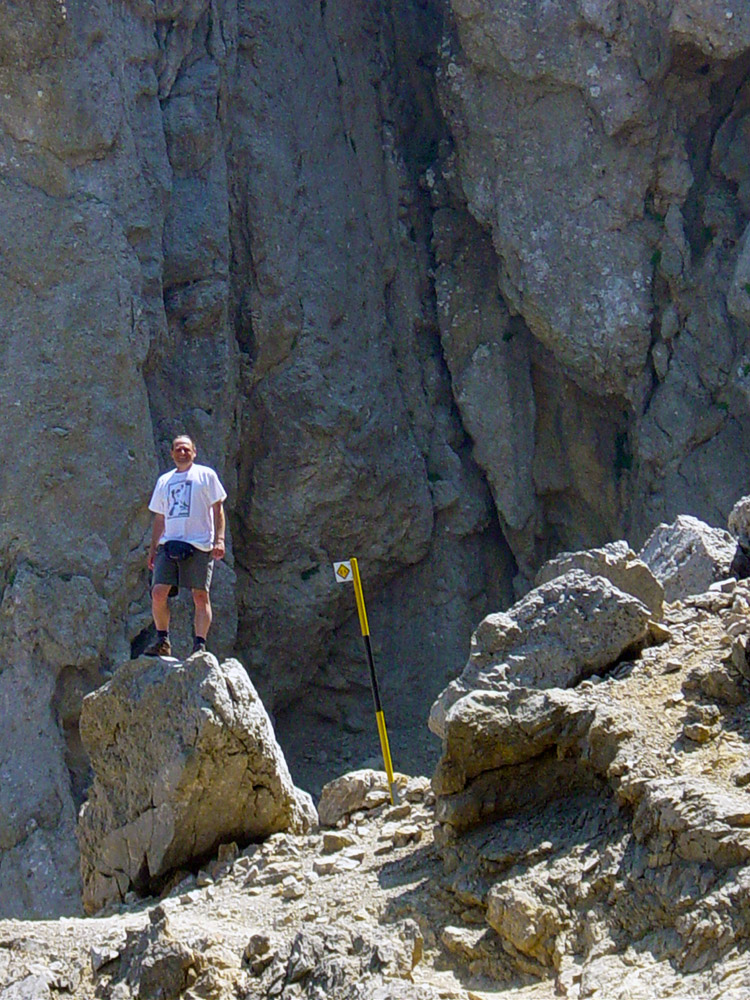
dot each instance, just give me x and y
(183, 452)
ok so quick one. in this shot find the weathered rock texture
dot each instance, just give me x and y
(184, 759)
(688, 556)
(446, 285)
(560, 633)
(617, 563)
(590, 824)
(597, 850)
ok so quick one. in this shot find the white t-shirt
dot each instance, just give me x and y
(185, 499)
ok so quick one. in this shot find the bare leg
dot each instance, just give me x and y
(202, 612)
(160, 606)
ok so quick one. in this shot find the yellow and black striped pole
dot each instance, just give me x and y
(343, 577)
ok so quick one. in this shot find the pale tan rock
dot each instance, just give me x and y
(203, 768)
(364, 789)
(521, 919)
(336, 840)
(698, 732)
(559, 634)
(409, 834)
(334, 866)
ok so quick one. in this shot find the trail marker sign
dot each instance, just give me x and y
(343, 572)
(347, 571)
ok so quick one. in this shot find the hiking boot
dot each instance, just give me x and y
(199, 645)
(160, 647)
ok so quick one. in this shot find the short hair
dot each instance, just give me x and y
(187, 437)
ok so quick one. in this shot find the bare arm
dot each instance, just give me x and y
(157, 530)
(220, 528)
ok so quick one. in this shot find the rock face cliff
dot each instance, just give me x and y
(448, 286)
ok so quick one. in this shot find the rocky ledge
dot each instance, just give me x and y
(585, 835)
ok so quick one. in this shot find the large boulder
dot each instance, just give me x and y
(184, 759)
(558, 634)
(617, 563)
(687, 556)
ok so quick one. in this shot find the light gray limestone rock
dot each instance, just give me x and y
(255, 223)
(557, 635)
(156, 962)
(618, 564)
(184, 759)
(687, 556)
(546, 207)
(721, 30)
(587, 93)
(363, 789)
(38, 857)
(739, 521)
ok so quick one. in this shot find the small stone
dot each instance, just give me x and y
(672, 666)
(741, 776)
(463, 941)
(258, 944)
(273, 874)
(258, 952)
(334, 866)
(337, 840)
(409, 834)
(356, 852)
(698, 732)
(387, 831)
(397, 813)
(102, 955)
(659, 633)
(292, 889)
(417, 789)
(203, 879)
(227, 852)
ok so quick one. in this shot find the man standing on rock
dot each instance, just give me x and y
(187, 535)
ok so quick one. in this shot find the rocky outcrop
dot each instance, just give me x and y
(559, 634)
(611, 811)
(363, 790)
(597, 847)
(617, 563)
(587, 97)
(296, 233)
(688, 556)
(184, 759)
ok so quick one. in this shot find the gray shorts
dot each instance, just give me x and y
(190, 574)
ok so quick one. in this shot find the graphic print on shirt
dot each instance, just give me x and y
(178, 499)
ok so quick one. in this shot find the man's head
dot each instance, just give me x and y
(183, 452)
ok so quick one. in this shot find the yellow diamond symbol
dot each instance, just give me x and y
(343, 572)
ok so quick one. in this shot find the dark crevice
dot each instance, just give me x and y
(701, 139)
